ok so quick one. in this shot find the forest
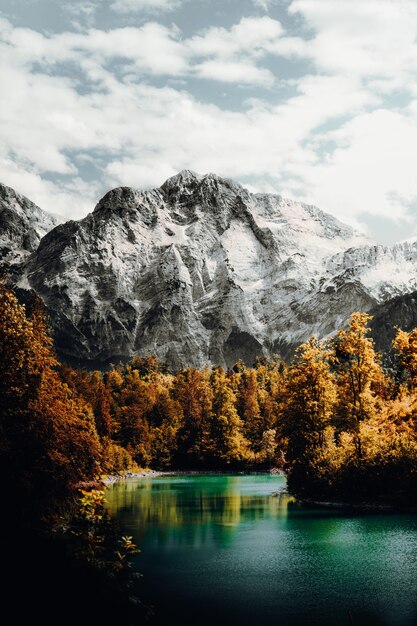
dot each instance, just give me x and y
(340, 423)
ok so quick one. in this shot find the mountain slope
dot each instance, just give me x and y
(196, 271)
(202, 271)
(400, 312)
(22, 226)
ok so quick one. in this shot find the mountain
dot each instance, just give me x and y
(22, 226)
(400, 312)
(202, 271)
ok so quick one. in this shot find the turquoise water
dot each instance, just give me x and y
(227, 549)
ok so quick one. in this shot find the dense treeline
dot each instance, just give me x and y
(336, 421)
(48, 439)
(209, 419)
(350, 427)
(341, 425)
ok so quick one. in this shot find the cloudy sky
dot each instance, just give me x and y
(312, 99)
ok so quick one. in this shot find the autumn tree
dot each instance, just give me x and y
(165, 419)
(248, 409)
(406, 346)
(48, 441)
(191, 388)
(135, 398)
(358, 369)
(308, 408)
(271, 375)
(226, 442)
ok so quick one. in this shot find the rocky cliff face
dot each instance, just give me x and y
(201, 271)
(400, 312)
(22, 226)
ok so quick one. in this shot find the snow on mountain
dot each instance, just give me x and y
(202, 271)
(385, 272)
(196, 271)
(22, 225)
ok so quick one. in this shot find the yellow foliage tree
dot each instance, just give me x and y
(406, 346)
(358, 369)
(226, 442)
(308, 407)
(191, 388)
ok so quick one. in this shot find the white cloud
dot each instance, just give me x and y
(337, 140)
(370, 38)
(81, 13)
(263, 4)
(235, 72)
(155, 49)
(375, 158)
(252, 35)
(136, 6)
(73, 199)
(148, 133)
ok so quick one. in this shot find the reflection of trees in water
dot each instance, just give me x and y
(204, 511)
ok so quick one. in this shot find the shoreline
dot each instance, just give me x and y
(358, 506)
(363, 507)
(114, 478)
(149, 473)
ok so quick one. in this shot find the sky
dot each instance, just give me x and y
(313, 99)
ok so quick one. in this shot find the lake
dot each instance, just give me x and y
(236, 549)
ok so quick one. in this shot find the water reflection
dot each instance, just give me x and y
(212, 508)
(225, 545)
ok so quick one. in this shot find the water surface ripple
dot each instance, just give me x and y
(227, 549)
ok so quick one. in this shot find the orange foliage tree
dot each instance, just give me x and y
(48, 440)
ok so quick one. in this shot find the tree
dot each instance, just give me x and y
(248, 409)
(406, 346)
(165, 420)
(308, 408)
(48, 441)
(358, 368)
(99, 398)
(192, 390)
(226, 441)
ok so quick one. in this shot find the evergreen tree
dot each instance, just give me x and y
(100, 401)
(165, 420)
(248, 409)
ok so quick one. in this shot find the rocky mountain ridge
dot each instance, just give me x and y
(202, 271)
(22, 226)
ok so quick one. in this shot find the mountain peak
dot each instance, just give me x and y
(183, 177)
(200, 271)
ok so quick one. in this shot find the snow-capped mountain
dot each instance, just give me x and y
(202, 271)
(22, 226)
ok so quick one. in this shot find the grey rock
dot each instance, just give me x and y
(22, 226)
(202, 271)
